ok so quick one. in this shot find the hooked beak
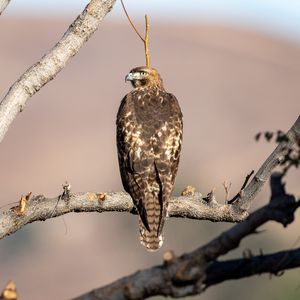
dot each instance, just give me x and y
(129, 77)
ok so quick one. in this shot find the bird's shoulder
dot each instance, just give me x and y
(148, 102)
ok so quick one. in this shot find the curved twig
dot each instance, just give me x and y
(53, 62)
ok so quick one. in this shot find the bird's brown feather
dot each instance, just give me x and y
(149, 134)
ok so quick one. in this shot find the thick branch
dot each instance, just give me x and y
(221, 271)
(3, 4)
(53, 62)
(41, 208)
(217, 272)
(247, 195)
(192, 273)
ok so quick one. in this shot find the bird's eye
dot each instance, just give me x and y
(143, 73)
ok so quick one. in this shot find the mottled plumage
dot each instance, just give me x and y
(149, 134)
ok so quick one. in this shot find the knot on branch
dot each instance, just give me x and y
(190, 271)
(282, 205)
(282, 209)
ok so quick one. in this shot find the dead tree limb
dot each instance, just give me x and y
(191, 274)
(52, 63)
(220, 271)
(248, 194)
(3, 5)
(40, 208)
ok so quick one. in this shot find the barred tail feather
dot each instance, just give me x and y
(152, 239)
(149, 239)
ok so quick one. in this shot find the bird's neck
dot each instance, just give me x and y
(155, 86)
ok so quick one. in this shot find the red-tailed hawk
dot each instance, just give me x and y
(149, 134)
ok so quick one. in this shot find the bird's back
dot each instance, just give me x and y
(149, 131)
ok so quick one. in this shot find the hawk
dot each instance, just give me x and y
(149, 135)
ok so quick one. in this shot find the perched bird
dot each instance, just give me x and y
(149, 135)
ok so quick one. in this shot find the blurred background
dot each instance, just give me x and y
(235, 68)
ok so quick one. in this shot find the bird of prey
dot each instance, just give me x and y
(149, 135)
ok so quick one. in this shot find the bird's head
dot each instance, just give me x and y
(143, 77)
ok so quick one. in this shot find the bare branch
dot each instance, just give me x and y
(52, 63)
(145, 39)
(40, 208)
(216, 272)
(220, 271)
(245, 199)
(281, 209)
(227, 187)
(192, 273)
(242, 188)
(3, 5)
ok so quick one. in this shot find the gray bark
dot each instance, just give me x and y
(3, 5)
(192, 273)
(52, 63)
(247, 195)
(40, 208)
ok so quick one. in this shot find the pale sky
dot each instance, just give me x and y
(275, 16)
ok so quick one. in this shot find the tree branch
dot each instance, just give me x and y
(40, 208)
(221, 271)
(53, 62)
(3, 5)
(217, 272)
(248, 194)
(192, 273)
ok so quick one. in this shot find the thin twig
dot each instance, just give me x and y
(145, 39)
(242, 188)
(65, 195)
(147, 54)
(131, 23)
(227, 188)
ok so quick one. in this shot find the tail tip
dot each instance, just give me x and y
(154, 245)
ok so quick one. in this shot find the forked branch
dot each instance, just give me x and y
(145, 39)
(246, 196)
(193, 207)
(192, 273)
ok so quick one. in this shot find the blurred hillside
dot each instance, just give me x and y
(231, 83)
